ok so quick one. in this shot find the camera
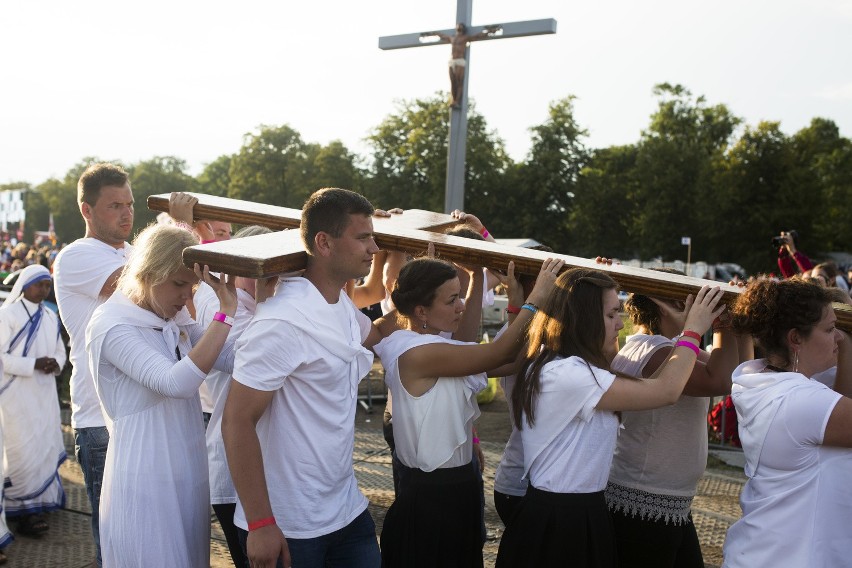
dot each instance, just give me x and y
(781, 240)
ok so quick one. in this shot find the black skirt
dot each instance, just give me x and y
(559, 529)
(434, 521)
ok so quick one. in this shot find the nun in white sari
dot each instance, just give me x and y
(5, 536)
(33, 354)
(148, 358)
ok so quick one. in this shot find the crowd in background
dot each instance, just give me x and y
(576, 488)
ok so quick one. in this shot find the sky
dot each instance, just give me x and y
(134, 80)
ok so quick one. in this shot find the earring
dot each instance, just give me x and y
(424, 325)
(796, 363)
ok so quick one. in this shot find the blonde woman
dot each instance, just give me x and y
(148, 358)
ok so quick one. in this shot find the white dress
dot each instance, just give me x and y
(155, 496)
(5, 536)
(29, 411)
(797, 501)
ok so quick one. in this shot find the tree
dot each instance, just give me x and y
(548, 179)
(409, 162)
(160, 174)
(60, 196)
(216, 178)
(271, 167)
(822, 170)
(755, 199)
(674, 173)
(335, 166)
(600, 218)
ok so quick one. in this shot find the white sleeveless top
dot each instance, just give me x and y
(434, 430)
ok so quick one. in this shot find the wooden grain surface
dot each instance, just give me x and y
(282, 252)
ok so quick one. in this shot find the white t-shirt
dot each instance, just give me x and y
(80, 271)
(797, 504)
(569, 450)
(509, 477)
(218, 385)
(307, 433)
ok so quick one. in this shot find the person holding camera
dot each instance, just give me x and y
(791, 261)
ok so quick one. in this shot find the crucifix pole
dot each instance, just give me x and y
(454, 194)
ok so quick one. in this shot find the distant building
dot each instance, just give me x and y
(12, 214)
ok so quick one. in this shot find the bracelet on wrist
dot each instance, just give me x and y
(688, 344)
(475, 440)
(261, 523)
(484, 232)
(694, 335)
(531, 307)
(224, 318)
(510, 309)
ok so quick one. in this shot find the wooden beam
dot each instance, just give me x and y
(277, 253)
(214, 208)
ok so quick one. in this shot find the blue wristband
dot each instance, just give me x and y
(531, 307)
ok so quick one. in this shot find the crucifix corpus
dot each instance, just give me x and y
(276, 253)
(459, 67)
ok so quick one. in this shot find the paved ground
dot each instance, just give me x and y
(68, 543)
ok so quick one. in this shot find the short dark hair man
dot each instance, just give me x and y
(289, 422)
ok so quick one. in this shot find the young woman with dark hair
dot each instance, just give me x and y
(435, 519)
(566, 403)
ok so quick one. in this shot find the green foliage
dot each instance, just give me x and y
(276, 166)
(673, 173)
(216, 177)
(695, 171)
(409, 161)
(160, 174)
(550, 176)
(270, 167)
(600, 220)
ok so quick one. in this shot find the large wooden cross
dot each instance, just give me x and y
(454, 197)
(279, 252)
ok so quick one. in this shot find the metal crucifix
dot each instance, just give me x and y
(459, 65)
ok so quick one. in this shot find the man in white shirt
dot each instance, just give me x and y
(85, 273)
(289, 423)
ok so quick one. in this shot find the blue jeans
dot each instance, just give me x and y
(353, 546)
(90, 447)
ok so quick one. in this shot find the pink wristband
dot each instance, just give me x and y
(224, 318)
(689, 344)
(261, 523)
(484, 232)
(475, 440)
